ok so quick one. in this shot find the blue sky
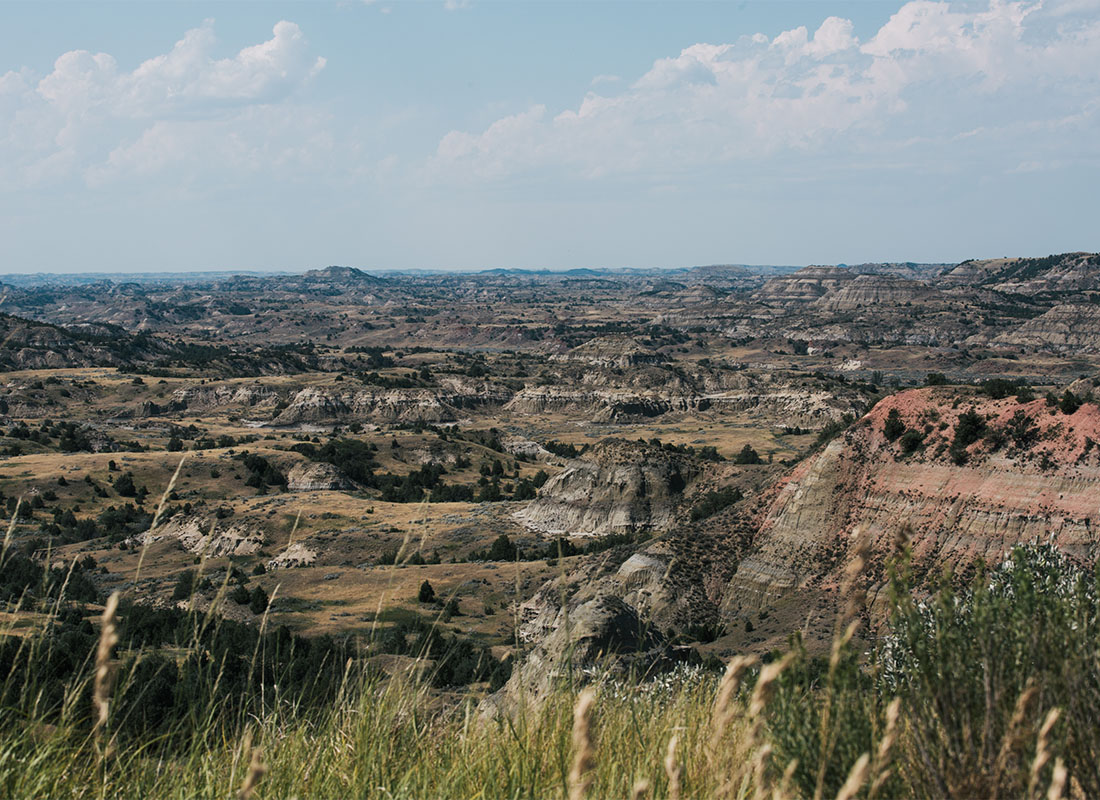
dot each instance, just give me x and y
(471, 134)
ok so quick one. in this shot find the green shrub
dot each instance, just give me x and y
(893, 427)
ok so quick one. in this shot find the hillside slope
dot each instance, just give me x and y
(1032, 472)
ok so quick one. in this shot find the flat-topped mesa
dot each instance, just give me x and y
(969, 480)
(616, 487)
(875, 291)
(805, 285)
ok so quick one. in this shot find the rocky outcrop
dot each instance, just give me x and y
(26, 344)
(594, 634)
(210, 396)
(788, 405)
(296, 554)
(317, 477)
(617, 487)
(206, 537)
(313, 404)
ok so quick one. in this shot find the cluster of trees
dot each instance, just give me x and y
(458, 660)
(1020, 430)
(358, 461)
(504, 549)
(261, 472)
(114, 522)
(706, 452)
(713, 502)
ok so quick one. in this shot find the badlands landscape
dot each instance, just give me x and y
(489, 483)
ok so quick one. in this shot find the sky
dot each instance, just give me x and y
(477, 134)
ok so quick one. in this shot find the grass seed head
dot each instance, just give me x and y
(672, 768)
(104, 665)
(256, 771)
(857, 776)
(584, 756)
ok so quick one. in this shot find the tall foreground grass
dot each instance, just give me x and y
(385, 739)
(988, 691)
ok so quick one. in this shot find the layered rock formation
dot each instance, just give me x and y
(960, 479)
(207, 537)
(804, 286)
(865, 291)
(1068, 272)
(435, 404)
(1032, 473)
(210, 396)
(622, 352)
(654, 392)
(617, 487)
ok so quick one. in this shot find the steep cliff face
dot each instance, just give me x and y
(618, 487)
(953, 475)
(1031, 472)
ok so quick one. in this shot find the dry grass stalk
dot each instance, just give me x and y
(104, 665)
(672, 768)
(760, 782)
(857, 776)
(1042, 751)
(847, 623)
(724, 706)
(784, 790)
(11, 530)
(758, 703)
(881, 769)
(903, 535)
(1017, 729)
(640, 790)
(583, 752)
(850, 587)
(256, 771)
(156, 518)
(765, 687)
(1058, 780)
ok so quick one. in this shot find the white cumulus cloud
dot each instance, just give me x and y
(933, 71)
(89, 118)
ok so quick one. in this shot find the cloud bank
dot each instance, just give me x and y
(935, 75)
(92, 120)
